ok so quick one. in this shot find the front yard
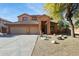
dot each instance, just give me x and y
(67, 47)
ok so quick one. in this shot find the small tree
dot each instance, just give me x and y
(63, 25)
(56, 11)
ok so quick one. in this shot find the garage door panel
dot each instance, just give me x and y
(34, 30)
(18, 30)
(27, 30)
(24, 30)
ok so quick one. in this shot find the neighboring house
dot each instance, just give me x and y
(4, 21)
(30, 24)
(3, 28)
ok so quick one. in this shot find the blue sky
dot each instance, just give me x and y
(10, 11)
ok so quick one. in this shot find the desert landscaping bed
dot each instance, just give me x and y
(66, 47)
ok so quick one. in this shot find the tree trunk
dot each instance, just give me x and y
(72, 29)
(69, 16)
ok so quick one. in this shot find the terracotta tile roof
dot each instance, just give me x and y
(39, 15)
(26, 22)
(33, 15)
(23, 14)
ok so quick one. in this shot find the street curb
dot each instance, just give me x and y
(35, 45)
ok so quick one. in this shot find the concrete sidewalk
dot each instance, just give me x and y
(19, 45)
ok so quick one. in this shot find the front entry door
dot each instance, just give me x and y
(44, 27)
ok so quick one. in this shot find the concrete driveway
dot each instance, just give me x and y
(17, 45)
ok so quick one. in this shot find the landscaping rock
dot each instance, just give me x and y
(42, 38)
(46, 39)
(54, 42)
(65, 36)
(61, 37)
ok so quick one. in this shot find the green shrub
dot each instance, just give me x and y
(62, 24)
(77, 23)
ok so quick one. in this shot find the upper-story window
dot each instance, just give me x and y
(25, 18)
(34, 18)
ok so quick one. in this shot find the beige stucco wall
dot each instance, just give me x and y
(47, 19)
(20, 18)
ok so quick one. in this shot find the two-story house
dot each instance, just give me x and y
(30, 24)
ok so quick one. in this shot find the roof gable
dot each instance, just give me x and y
(23, 15)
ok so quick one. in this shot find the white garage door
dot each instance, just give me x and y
(19, 30)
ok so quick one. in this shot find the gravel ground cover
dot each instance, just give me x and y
(66, 47)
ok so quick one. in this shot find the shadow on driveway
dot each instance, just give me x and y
(12, 35)
(8, 36)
